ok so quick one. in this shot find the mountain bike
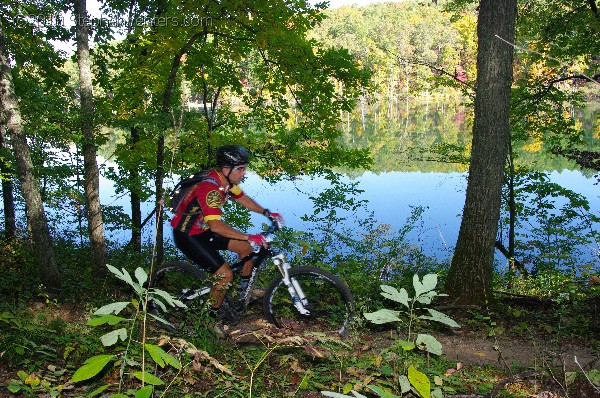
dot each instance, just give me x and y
(298, 297)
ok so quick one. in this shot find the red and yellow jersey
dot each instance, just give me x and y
(207, 198)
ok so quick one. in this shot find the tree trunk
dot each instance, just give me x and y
(90, 166)
(469, 279)
(10, 221)
(160, 148)
(9, 107)
(136, 210)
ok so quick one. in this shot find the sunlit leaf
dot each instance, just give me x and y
(112, 338)
(382, 316)
(429, 343)
(419, 381)
(144, 392)
(113, 308)
(404, 384)
(440, 317)
(161, 357)
(141, 275)
(148, 378)
(392, 293)
(91, 367)
(105, 319)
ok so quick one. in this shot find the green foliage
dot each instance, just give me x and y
(108, 315)
(414, 379)
(424, 294)
(554, 225)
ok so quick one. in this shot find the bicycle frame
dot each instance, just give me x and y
(283, 266)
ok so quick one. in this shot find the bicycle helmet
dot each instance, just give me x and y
(231, 155)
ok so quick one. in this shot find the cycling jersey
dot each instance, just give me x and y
(208, 197)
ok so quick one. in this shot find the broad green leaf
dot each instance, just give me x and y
(148, 378)
(168, 298)
(382, 393)
(161, 357)
(144, 392)
(418, 286)
(594, 376)
(440, 317)
(111, 338)
(141, 275)
(91, 367)
(404, 384)
(429, 343)
(426, 298)
(430, 282)
(14, 387)
(113, 308)
(392, 293)
(110, 319)
(347, 388)
(382, 316)
(155, 353)
(419, 381)
(124, 276)
(437, 393)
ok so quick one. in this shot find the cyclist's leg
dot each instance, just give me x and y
(203, 250)
(242, 249)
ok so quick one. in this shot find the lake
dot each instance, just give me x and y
(403, 176)
(390, 196)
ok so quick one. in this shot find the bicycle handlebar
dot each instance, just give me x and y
(275, 226)
(267, 234)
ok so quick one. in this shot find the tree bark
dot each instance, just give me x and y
(9, 106)
(136, 210)
(90, 166)
(469, 279)
(8, 200)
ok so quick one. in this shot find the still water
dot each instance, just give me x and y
(400, 181)
(390, 196)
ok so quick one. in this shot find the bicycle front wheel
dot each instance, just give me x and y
(326, 301)
(184, 282)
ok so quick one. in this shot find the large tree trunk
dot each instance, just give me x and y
(10, 222)
(9, 107)
(470, 277)
(90, 166)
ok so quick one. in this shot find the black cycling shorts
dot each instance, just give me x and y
(202, 249)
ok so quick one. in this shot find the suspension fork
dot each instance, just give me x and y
(292, 285)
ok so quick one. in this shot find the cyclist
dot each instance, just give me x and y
(200, 233)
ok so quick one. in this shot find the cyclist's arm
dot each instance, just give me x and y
(219, 227)
(250, 204)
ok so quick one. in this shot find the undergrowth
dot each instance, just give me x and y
(45, 339)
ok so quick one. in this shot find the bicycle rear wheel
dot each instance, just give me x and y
(328, 300)
(186, 283)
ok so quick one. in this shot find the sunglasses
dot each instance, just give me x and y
(240, 168)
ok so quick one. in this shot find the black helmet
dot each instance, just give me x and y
(232, 155)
